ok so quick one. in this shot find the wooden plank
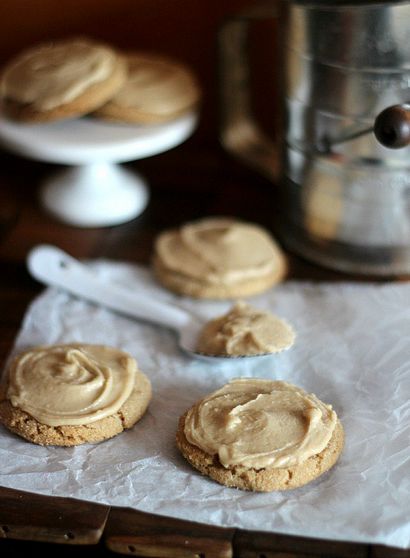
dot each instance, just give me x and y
(251, 544)
(143, 534)
(380, 551)
(27, 516)
(9, 548)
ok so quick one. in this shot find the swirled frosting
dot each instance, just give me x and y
(71, 384)
(219, 250)
(245, 330)
(259, 423)
(156, 85)
(52, 74)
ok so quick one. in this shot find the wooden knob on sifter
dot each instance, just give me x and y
(392, 126)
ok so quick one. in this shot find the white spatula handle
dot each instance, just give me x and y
(52, 266)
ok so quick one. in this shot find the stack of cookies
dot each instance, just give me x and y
(74, 77)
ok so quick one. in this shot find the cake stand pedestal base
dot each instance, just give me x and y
(95, 195)
(96, 191)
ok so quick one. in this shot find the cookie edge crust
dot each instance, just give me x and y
(261, 480)
(181, 284)
(21, 423)
(115, 113)
(89, 100)
(112, 111)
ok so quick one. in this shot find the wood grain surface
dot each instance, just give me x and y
(34, 517)
(132, 532)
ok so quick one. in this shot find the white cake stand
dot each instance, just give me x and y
(95, 190)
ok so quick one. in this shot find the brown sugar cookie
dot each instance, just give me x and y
(157, 89)
(72, 394)
(59, 80)
(236, 464)
(218, 257)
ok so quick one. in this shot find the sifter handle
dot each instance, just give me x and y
(392, 126)
(391, 129)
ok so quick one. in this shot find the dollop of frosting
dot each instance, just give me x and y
(245, 330)
(156, 85)
(71, 384)
(219, 250)
(259, 423)
(52, 74)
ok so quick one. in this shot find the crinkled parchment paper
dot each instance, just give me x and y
(352, 350)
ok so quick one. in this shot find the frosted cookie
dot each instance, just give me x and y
(218, 257)
(261, 435)
(157, 90)
(67, 395)
(62, 79)
(245, 330)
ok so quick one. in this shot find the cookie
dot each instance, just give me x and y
(218, 258)
(67, 395)
(288, 474)
(59, 80)
(157, 90)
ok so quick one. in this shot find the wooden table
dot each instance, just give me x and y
(186, 183)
